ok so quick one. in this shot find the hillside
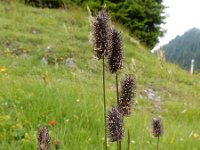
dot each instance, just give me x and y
(183, 49)
(48, 72)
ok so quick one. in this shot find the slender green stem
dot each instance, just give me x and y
(117, 145)
(120, 145)
(104, 104)
(117, 92)
(158, 143)
(117, 88)
(128, 140)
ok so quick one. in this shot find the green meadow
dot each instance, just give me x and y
(48, 72)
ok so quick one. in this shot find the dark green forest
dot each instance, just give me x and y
(142, 17)
(184, 48)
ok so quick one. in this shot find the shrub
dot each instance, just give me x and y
(45, 3)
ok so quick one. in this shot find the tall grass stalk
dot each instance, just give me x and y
(115, 62)
(120, 145)
(104, 103)
(125, 101)
(117, 93)
(157, 129)
(128, 141)
(101, 39)
(158, 143)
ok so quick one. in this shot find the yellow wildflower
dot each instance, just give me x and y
(18, 125)
(3, 69)
(195, 135)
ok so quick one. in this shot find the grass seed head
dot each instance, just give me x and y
(115, 56)
(101, 34)
(128, 91)
(157, 129)
(115, 125)
(43, 139)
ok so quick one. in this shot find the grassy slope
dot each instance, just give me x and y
(73, 96)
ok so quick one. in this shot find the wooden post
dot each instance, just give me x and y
(192, 67)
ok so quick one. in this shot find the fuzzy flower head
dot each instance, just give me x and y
(43, 139)
(157, 129)
(115, 125)
(115, 57)
(101, 34)
(128, 91)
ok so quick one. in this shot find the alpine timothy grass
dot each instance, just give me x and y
(115, 125)
(101, 34)
(115, 60)
(157, 129)
(101, 42)
(115, 56)
(43, 139)
(128, 91)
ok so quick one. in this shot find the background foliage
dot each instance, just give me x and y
(183, 49)
(142, 17)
